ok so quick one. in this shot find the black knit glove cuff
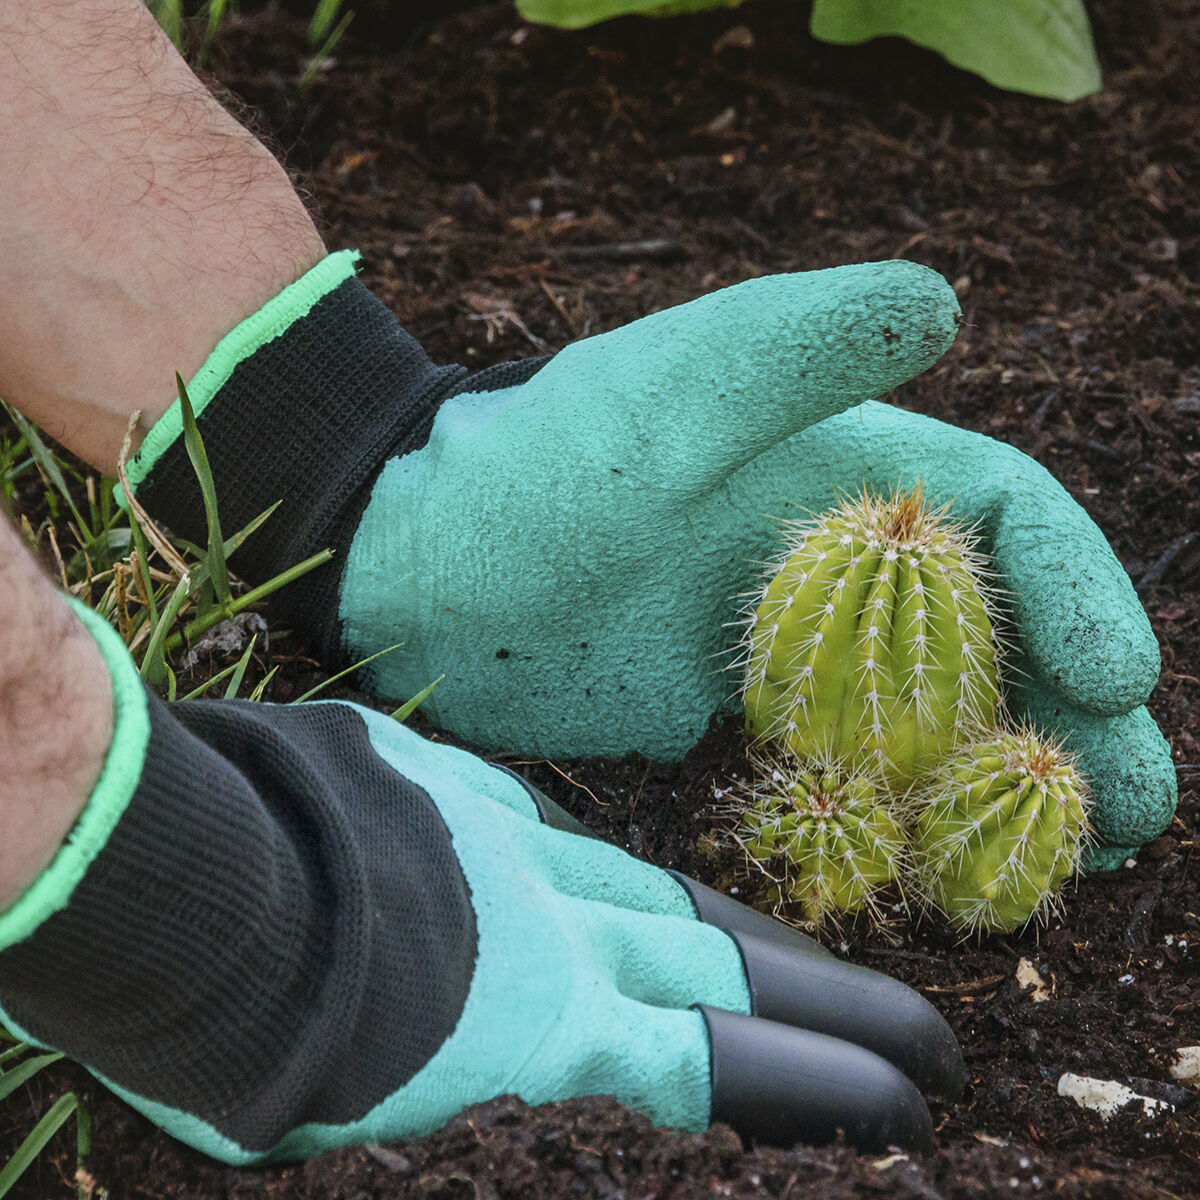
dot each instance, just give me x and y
(276, 931)
(309, 419)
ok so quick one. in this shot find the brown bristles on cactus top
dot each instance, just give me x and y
(1000, 830)
(825, 830)
(873, 641)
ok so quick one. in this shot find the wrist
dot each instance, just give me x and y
(70, 740)
(142, 221)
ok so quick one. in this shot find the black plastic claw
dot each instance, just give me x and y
(782, 1085)
(856, 1004)
(715, 909)
(551, 813)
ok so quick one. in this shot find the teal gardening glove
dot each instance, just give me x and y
(564, 539)
(277, 930)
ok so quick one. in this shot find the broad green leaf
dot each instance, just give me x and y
(1042, 47)
(575, 14)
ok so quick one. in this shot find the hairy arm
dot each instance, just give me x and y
(56, 717)
(139, 222)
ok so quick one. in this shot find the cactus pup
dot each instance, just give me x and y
(873, 641)
(1000, 830)
(826, 829)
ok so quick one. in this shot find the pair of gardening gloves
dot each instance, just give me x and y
(277, 930)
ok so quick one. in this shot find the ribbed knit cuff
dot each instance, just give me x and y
(276, 931)
(300, 406)
(51, 891)
(270, 322)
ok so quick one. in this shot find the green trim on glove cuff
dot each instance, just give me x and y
(52, 889)
(276, 316)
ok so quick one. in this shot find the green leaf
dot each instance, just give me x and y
(1043, 47)
(33, 1145)
(362, 662)
(575, 14)
(409, 707)
(323, 18)
(12, 1079)
(218, 574)
(240, 672)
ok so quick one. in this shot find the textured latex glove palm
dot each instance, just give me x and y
(569, 552)
(566, 541)
(565, 552)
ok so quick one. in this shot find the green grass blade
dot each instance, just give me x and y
(153, 666)
(13, 1052)
(224, 611)
(322, 21)
(234, 541)
(216, 12)
(407, 709)
(169, 14)
(322, 55)
(23, 1072)
(143, 556)
(362, 662)
(35, 1143)
(51, 468)
(218, 573)
(83, 1147)
(261, 686)
(196, 693)
(240, 671)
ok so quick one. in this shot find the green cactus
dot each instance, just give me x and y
(1000, 831)
(873, 643)
(836, 843)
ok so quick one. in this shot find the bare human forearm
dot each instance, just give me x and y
(56, 717)
(139, 222)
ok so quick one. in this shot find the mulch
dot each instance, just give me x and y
(512, 189)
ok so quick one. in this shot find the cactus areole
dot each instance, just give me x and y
(1001, 831)
(827, 831)
(872, 643)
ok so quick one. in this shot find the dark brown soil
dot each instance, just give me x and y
(513, 188)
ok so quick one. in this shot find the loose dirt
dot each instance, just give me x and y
(514, 188)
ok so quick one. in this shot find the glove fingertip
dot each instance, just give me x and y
(1105, 670)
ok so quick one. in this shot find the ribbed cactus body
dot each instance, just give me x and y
(827, 830)
(873, 643)
(1000, 831)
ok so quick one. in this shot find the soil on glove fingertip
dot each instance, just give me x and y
(514, 188)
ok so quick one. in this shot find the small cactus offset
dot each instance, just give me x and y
(828, 832)
(1000, 831)
(873, 642)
